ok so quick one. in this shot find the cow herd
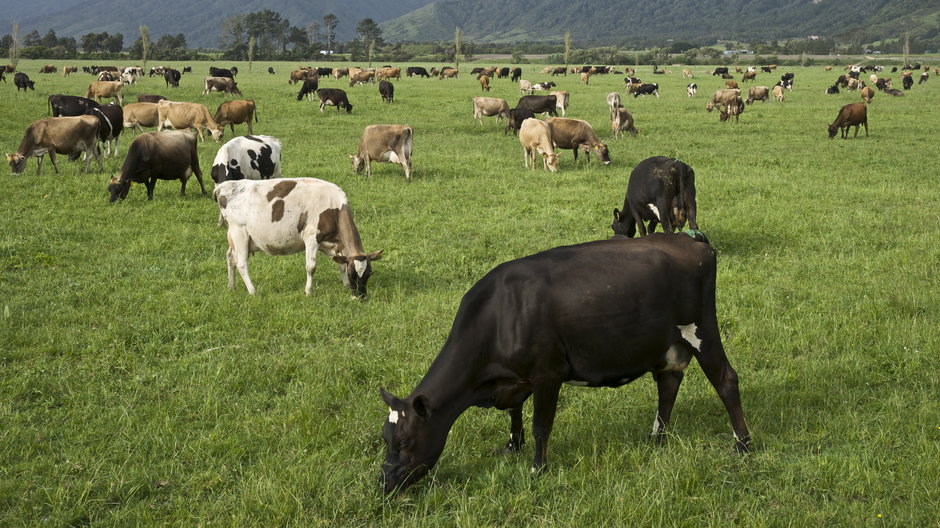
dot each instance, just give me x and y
(575, 327)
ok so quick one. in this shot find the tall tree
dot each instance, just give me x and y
(458, 42)
(15, 46)
(567, 50)
(369, 31)
(329, 27)
(313, 32)
(31, 39)
(251, 50)
(145, 44)
(49, 40)
(233, 31)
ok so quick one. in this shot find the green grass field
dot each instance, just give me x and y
(137, 390)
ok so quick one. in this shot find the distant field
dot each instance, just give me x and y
(137, 390)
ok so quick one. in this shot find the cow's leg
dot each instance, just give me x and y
(239, 245)
(545, 403)
(525, 152)
(52, 160)
(516, 433)
(311, 246)
(97, 155)
(151, 183)
(667, 385)
(711, 357)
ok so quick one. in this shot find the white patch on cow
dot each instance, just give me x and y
(393, 157)
(393, 416)
(688, 333)
(655, 210)
(657, 426)
(360, 265)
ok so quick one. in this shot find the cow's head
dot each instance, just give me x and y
(358, 163)
(118, 189)
(348, 108)
(600, 150)
(17, 162)
(833, 128)
(414, 442)
(217, 132)
(356, 271)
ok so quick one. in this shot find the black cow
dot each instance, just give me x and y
(502, 73)
(21, 80)
(172, 77)
(765, 69)
(834, 89)
(2, 77)
(187, 69)
(150, 98)
(387, 91)
(417, 70)
(476, 70)
(907, 81)
(721, 70)
(534, 323)
(516, 117)
(271, 70)
(516, 74)
(221, 72)
(538, 104)
(308, 89)
(646, 89)
(324, 72)
(660, 190)
(334, 97)
(70, 105)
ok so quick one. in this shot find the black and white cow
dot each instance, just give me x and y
(334, 97)
(535, 323)
(248, 157)
(172, 77)
(309, 88)
(660, 190)
(110, 125)
(70, 105)
(286, 216)
(646, 89)
(539, 104)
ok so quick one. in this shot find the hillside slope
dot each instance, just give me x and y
(614, 22)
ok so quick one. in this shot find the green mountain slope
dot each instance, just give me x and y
(614, 22)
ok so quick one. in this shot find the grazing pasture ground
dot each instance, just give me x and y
(136, 389)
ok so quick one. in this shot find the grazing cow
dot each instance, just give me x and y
(585, 77)
(339, 73)
(907, 81)
(516, 117)
(536, 139)
(301, 75)
(721, 70)
(561, 101)
(883, 83)
(489, 106)
(867, 94)
(894, 92)
(225, 85)
(515, 74)
(285, 216)
(687, 73)
(108, 76)
(435, 72)
(727, 76)
(334, 97)
(69, 69)
(21, 80)
(180, 116)
(576, 135)
(543, 86)
(110, 125)
(525, 87)
(853, 114)
(834, 89)
(155, 70)
(729, 104)
(787, 80)
(247, 157)
(417, 70)
(691, 89)
(187, 69)
(361, 77)
(613, 102)
(150, 98)
(323, 71)
(778, 92)
(660, 190)
(2, 77)
(384, 144)
(559, 71)
(128, 78)
(144, 114)
(503, 72)
(484, 82)
(271, 70)
(222, 72)
(923, 78)
(621, 121)
(749, 76)
(539, 104)
(156, 156)
(233, 113)
(387, 91)
(107, 89)
(172, 77)
(534, 323)
(309, 88)
(48, 68)
(646, 89)
(731, 85)
(70, 105)
(757, 93)
(448, 73)
(57, 135)
(389, 73)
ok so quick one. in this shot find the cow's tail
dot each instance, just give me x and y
(48, 104)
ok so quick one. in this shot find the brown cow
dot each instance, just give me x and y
(490, 106)
(386, 144)
(225, 85)
(728, 102)
(576, 135)
(340, 72)
(536, 139)
(48, 68)
(757, 93)
(69, 69)
(448, 73)
(853, 114)
(137, 115)
(361, 77)
(484, 83)
(107, 89)
(389, 73)
(749, 76)
(233, 113)
(622, 120)
(731, 85)
(187, 115)
(57, 135)
(301, 75)
(158, 156)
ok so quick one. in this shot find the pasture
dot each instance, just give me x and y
(136, 389)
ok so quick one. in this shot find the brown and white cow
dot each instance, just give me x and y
(286, 216)
(106, 89)
(561, 101)
(225, 85)
(622, 121)
(233, 113)
(576, 135)
(69, 69)
(181, 115)
(48, 68)
(490, 106)
(137, 115)
(536, 139)
(156, 156)
(385, 144)
(757, 93)
(57, 135)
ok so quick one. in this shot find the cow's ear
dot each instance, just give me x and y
(340, 260)
(422, 407)
(391, 400)
(616, 214)
(376, 255)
